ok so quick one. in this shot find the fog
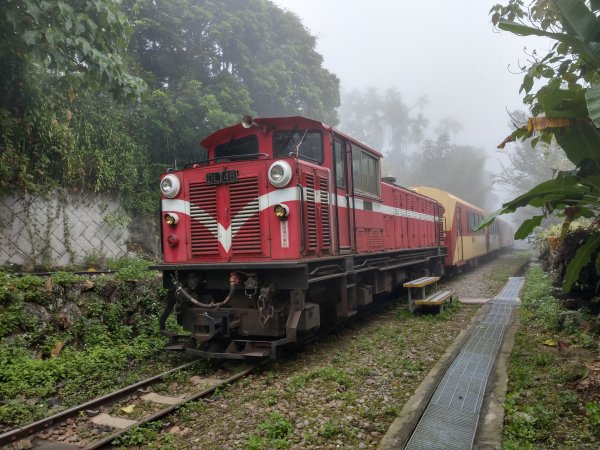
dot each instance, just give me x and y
(446, 51)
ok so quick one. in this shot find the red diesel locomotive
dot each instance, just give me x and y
(286, 228)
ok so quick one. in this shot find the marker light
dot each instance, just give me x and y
(280, 174)
(171, 219)
(172, 240)
(281, 211)
(169, 186)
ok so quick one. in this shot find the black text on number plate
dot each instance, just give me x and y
(227, 176)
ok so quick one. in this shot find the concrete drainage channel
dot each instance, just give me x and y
(445, 411)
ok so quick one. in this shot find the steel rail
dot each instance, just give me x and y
(34, 427)
(164, 412)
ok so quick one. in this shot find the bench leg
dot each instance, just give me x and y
(411, 304)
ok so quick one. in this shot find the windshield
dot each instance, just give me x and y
(243, 148)
(309, 144)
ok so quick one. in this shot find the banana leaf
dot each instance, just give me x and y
(582, 257)
(581, 19)
(584, 50)
(592, 98)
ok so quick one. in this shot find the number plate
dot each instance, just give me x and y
(227, 176)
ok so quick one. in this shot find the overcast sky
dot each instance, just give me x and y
(446, 50)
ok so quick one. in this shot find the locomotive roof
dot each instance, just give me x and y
(284, 123)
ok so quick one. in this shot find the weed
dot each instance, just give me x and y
(330, 428)
(275, 433)
(326, 373)
(365, 344)
(66, 278)
(543, 359)
(139, 435)
(592, 410)
(541, 411)
(391, 410)
(341, 358)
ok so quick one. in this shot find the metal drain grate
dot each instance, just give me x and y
(450, 420)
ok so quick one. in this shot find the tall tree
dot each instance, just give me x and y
(82, 41)
(247, 46)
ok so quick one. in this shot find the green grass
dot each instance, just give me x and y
(273, 433)
(543, 408)
(327, 373)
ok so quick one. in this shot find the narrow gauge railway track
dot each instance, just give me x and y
(89, 413)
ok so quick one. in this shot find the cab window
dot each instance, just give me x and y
(365, 172)
(246, 147)
(308, 144)
(340, 164)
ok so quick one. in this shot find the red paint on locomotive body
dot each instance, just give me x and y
(234, 221)
(286, 228)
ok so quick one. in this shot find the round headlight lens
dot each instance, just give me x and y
(281, 211)
(171, 219)
(280, 174)
(169, 186)
(277, 173)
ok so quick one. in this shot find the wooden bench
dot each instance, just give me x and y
(422, 284)
(436, 299)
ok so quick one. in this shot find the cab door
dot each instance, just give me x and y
(344, 202)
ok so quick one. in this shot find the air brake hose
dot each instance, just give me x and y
(234, 280)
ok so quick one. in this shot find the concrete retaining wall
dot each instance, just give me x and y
(61, 228)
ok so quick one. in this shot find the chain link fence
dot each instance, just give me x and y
(62, 228)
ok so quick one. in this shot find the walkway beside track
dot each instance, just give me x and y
(451, 417)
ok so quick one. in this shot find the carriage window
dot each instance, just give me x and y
(340, 164)
(246, 147)
(365, 172)
(308, 143)
(474, 221)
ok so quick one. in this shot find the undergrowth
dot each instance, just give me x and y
(67, 338)
(544, 408)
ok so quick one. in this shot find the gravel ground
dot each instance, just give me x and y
(341, 392)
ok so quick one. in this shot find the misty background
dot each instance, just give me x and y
(431, 85)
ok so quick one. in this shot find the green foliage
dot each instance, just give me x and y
(247, 54)
(326, 373)
(593, 411)
(81, 345)
(84, 41)
(538, 303)
(138, 436)
(543, 407)
(275, 433)
(62, 64)
(570, 72)
(132, 269)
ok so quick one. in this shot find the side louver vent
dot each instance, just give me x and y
(311, 213)
(203, 224)
(325, 224)
(245, 217)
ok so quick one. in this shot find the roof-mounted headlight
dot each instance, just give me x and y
(280, 174)
(169, 186)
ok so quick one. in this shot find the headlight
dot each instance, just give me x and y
(171, 219)
(169, 186)
(281, 211)
(280, 174)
